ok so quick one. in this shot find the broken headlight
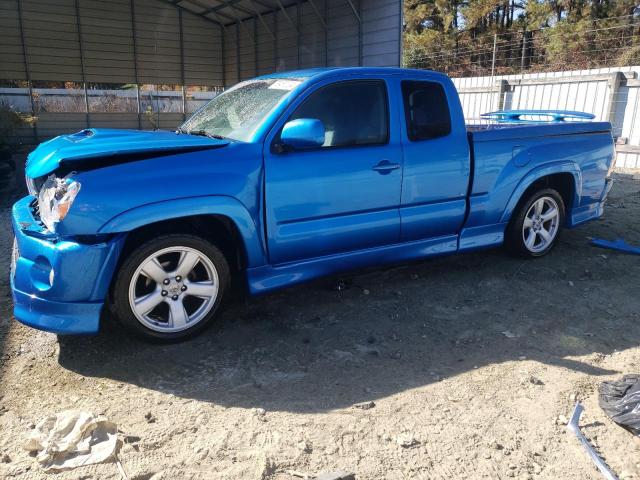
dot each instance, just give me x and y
(55, 199)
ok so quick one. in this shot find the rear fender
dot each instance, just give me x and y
(183, 207)
(538, 173)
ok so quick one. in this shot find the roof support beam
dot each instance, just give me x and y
(261, 18)
(317, 12)
(224, 4)
(176, 3)
(246, 29)
(82, 62)
(355, 11)
(284, 12)
(134, 44)
(27, 69)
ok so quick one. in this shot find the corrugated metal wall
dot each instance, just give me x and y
(94, 41)
(140, 41)
(154, 42)
(321, 33)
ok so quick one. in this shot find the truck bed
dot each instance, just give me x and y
(506, 155)
(492, 130)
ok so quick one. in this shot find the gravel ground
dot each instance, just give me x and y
(473, 363)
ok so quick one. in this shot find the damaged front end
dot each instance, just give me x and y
(62, 265)
(58, 284)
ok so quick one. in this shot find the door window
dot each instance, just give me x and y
(353, 113)
(426, 110)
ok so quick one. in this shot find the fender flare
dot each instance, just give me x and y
(536, 174)
(225, 206)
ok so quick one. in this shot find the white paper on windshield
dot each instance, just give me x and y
(286, 85)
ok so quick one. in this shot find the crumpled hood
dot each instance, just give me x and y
(103, 147)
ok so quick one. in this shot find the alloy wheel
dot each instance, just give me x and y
(541, 224)
(173, 289)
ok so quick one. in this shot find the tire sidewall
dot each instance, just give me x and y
(121, 308)
(514, 240)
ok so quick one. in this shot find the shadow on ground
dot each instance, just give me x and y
(316, 348)
(10, 190)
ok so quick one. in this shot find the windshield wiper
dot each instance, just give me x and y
(202, 133)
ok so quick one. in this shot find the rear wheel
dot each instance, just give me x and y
(535, 228)
(170, 288)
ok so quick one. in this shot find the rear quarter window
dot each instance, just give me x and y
(426, 110)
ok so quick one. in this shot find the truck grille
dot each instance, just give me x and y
(35, 210)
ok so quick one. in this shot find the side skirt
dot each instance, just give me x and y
(580, 215)
(475, 238)
(267, 278)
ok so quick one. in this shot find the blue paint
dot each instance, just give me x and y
(514, 116)
(301, 212)
(94, 143)
(303, 133)
(618, 244)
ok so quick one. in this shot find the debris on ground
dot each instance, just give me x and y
(532, 380)
(149, 417)
(333, 475)
(574, 426)
(364, 405)
(72, 438)
(618, 244)
(407, 441)
(620, 400)
(337, 475)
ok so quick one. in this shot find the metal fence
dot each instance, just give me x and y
(589, 44)
(64, 110)
(589, 66)
(611, 94)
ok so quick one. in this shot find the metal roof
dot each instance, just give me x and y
(229, 12)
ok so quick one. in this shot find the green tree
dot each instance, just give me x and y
(457, 36)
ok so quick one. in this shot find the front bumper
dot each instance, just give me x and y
(59, 285)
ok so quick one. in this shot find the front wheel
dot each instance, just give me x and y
(170, 288)
(535, 227)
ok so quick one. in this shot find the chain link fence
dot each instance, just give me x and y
(610, 42)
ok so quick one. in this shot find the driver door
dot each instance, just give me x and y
(343, 196)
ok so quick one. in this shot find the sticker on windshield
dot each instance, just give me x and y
(286, 85)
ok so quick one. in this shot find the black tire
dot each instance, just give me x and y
(515, 236)
(119, 298)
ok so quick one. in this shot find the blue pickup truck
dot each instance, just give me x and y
(283, 179)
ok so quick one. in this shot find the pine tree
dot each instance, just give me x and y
(457, 36)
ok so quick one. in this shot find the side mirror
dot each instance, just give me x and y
(303, 133)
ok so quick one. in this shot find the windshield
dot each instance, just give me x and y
(237, 112)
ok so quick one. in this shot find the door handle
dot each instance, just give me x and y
(385, 167)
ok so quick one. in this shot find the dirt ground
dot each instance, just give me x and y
(472, 361)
